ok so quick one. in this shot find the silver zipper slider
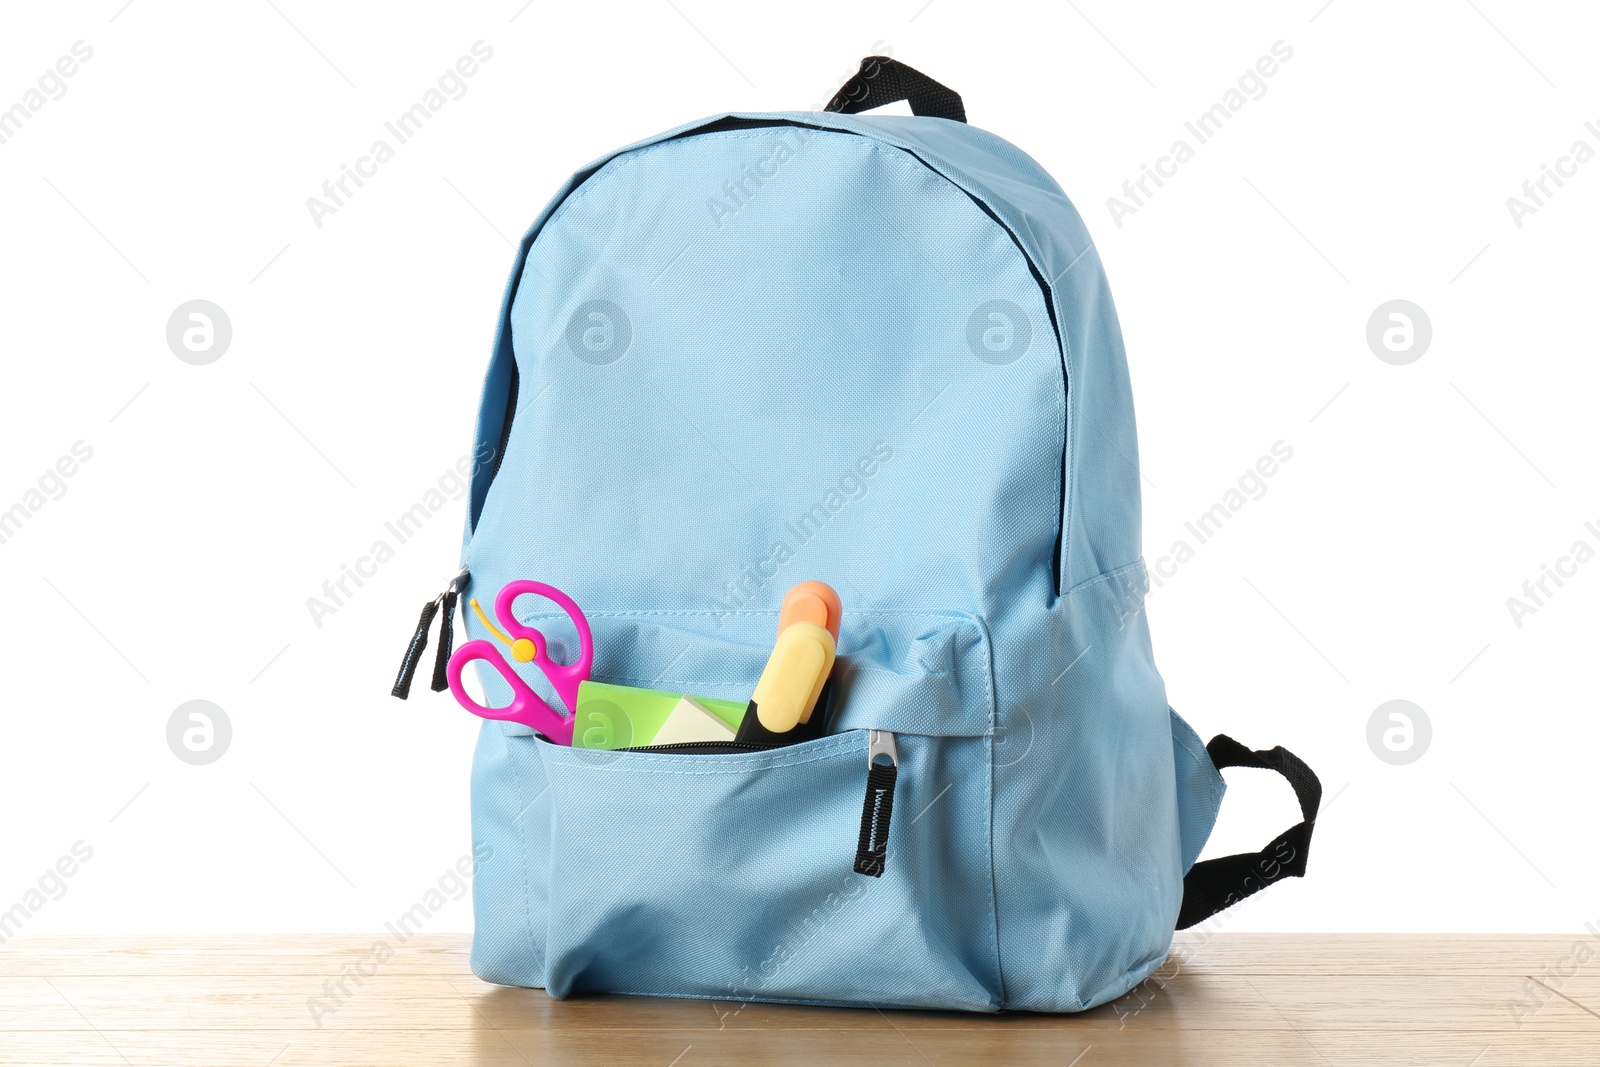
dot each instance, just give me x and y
(881, 743)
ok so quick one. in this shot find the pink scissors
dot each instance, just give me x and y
(528, 645)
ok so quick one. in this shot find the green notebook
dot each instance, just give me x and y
(620, 716)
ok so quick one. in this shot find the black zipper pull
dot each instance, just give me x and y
(419, 639)
(872, 850)
(447, 639)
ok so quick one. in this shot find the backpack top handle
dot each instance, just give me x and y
(882, 80)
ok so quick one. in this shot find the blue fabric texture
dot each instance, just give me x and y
(879, 352)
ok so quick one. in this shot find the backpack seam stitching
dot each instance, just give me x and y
(1105, 576)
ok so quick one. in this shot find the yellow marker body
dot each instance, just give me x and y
(789, 686)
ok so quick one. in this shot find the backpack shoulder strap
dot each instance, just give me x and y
(1215, 884)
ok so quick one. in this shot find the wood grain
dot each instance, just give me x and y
(1235, 999)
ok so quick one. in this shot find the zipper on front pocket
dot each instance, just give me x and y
(419, 639)
(709, 748)
(883, 767)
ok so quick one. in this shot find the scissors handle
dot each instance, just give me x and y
(565, 679)
(526, 707)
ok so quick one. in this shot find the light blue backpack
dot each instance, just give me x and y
(879, 352)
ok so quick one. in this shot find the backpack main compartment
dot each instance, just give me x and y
(879, 352)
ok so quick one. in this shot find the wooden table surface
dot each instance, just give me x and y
(1232, 999)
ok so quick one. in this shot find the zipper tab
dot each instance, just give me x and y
(447, 633)
(419, 639)
(883, 766)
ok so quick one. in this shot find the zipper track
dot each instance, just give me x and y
(707, 747)
(731, 123)
(505, 425)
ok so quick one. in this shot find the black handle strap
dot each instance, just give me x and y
(882, 80)
(1212, 885)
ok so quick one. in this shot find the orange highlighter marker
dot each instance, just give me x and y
(801, 660)
(813, 602)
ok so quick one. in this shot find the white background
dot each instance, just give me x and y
(219, 498)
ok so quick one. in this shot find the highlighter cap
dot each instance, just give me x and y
(813, 602)
(793, 679)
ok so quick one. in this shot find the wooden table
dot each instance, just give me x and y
(1233, 999)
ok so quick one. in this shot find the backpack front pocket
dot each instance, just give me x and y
(733, 876)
